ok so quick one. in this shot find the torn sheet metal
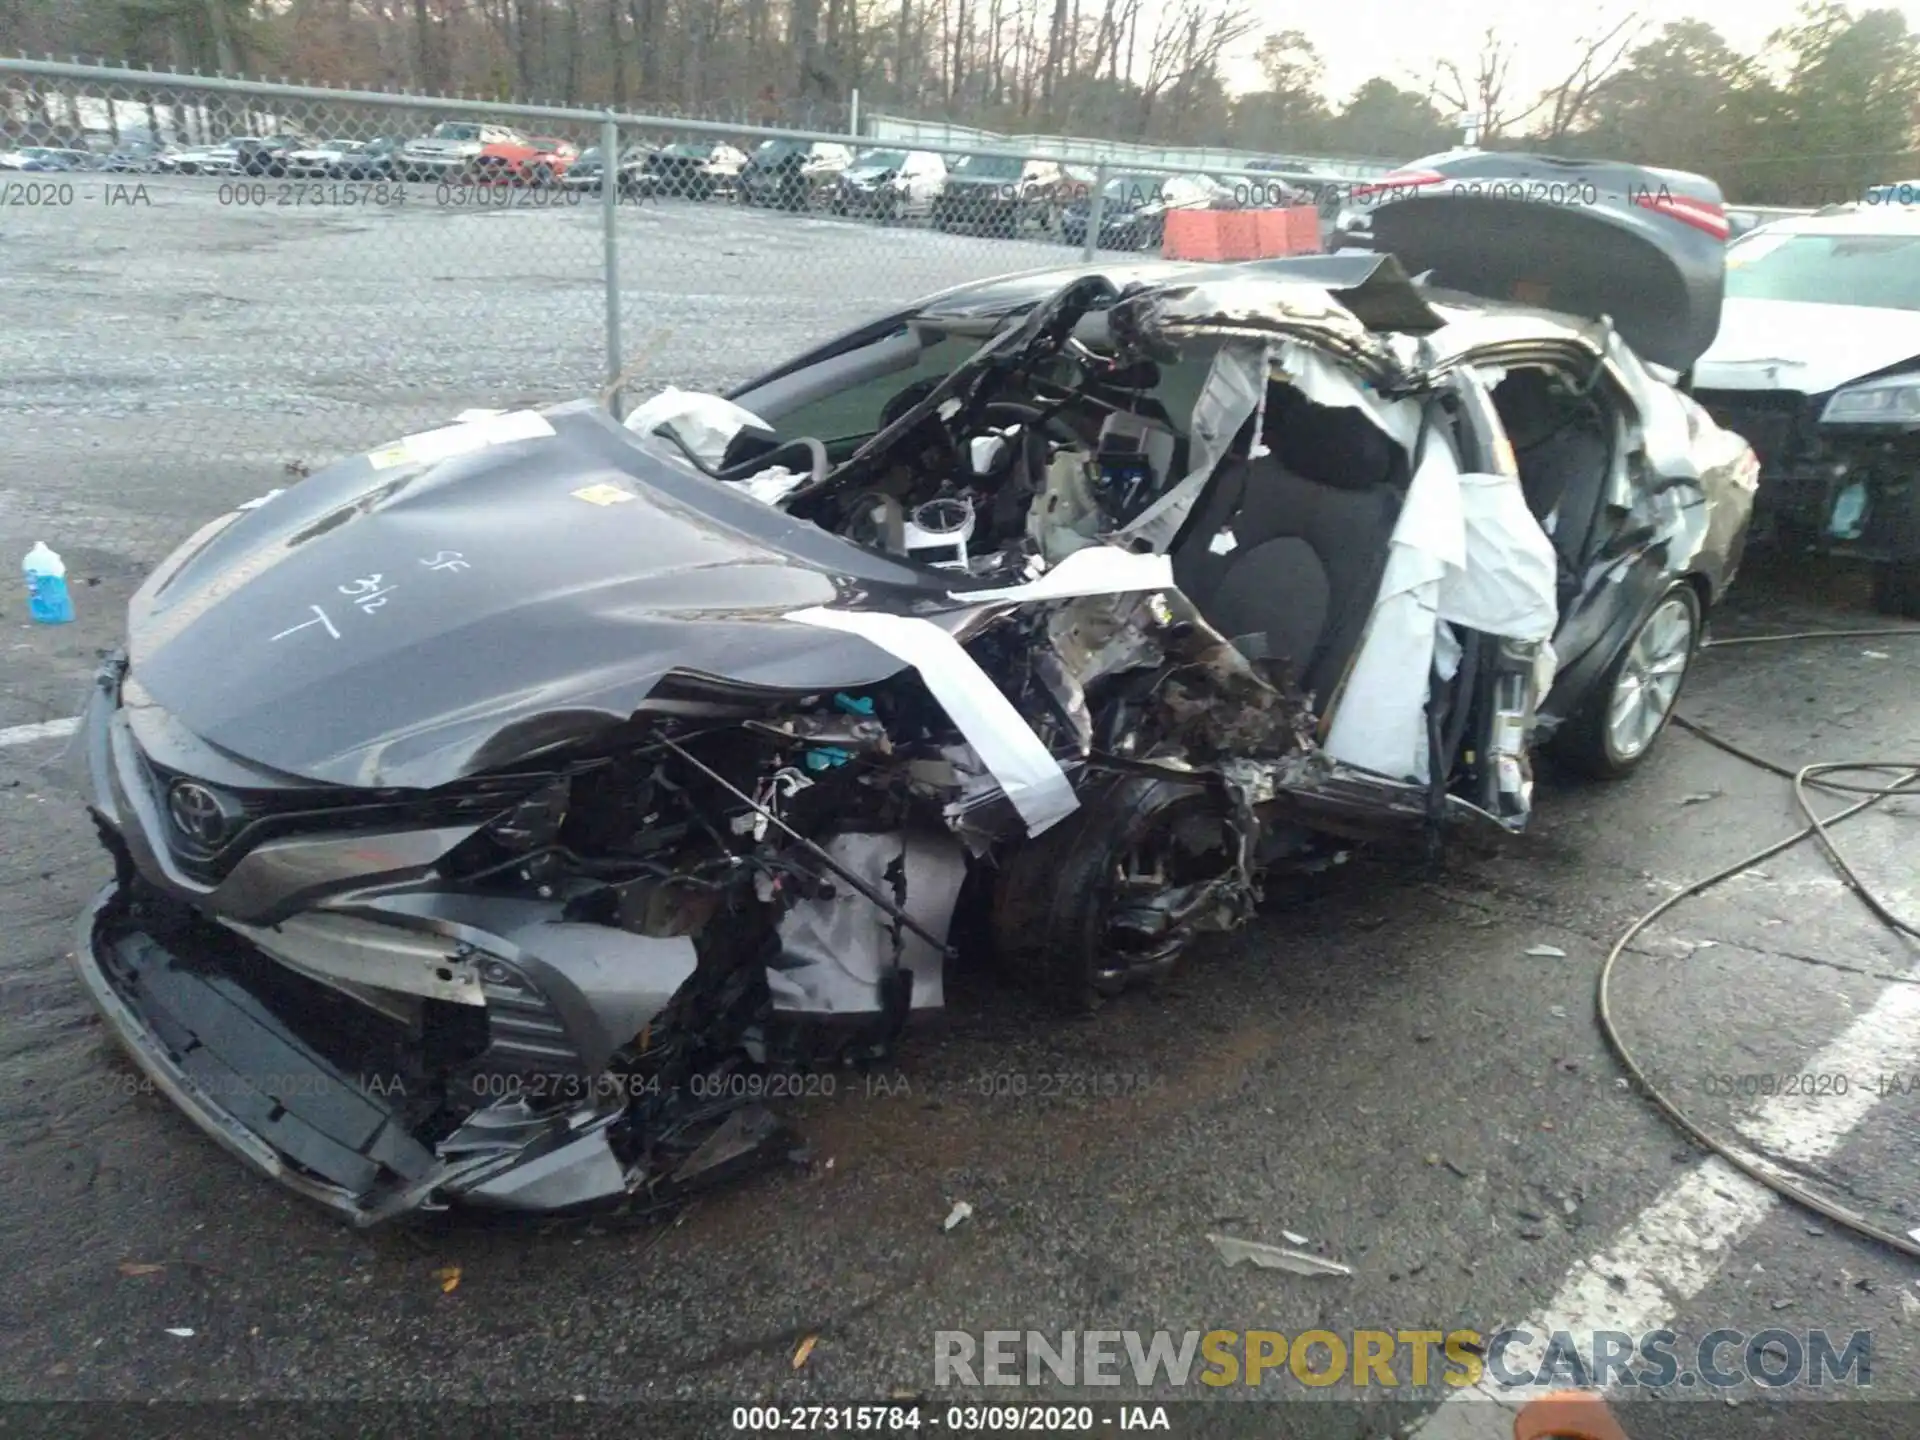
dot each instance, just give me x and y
(1098, 570)
(834, 951)
(1275, 1257)
(1025, 768)
(1666, 424)
(1248, 309)
(431, 446)
(1235, 389)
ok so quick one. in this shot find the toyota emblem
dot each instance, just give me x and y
(198, 814)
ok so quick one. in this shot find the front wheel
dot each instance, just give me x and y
(1112, 895)
(1896, 588)
(1616, 729)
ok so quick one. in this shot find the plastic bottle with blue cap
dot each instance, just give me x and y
(47, 599)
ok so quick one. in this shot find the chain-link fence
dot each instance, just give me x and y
(214, 283)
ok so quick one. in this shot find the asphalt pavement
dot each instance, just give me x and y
(1400, 1065)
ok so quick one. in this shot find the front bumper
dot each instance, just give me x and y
(1851, 490)
(434, 167)
(316, 1046)
(857, 200)
(987, 210)
(1861, 506)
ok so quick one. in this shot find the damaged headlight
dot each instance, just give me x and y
(1892, 401)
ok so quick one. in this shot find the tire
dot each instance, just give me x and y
(541, 177)
(1896, 588)
(1054, 901)
(1660, 650)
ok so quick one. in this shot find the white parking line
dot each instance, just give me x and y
(1678, 1244)
(43, 730)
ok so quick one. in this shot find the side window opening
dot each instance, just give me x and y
(1564, 441)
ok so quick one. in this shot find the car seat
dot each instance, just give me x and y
(1305, 533)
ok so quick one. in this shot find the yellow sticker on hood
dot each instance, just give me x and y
(604, 495)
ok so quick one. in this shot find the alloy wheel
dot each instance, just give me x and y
(1648, 682)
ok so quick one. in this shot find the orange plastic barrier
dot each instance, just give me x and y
(1241, 234)
(1567, 1415)
(1191, 235)
(1275, 232)
(1303, 229)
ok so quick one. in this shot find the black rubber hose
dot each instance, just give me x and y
(1817, 827)
(816, 453)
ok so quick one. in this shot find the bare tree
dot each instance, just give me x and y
(1188, 43)
(1487, 92)
(1601, 56)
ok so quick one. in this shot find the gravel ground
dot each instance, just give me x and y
(1379, 1065)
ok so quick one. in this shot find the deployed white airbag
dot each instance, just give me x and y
(1465, 551)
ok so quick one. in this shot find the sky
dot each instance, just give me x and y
(1403, 39)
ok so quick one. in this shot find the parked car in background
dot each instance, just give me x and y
(537, 160)
(134, 157)
(39, 158)
(267, 155)
(891, 184)
(1133, 209)
(696, 170)
(1817, 364)
(447, 152)
(319, 158)
(794, 174)
(636, 177)
(1002, 195)
(217, 159)
(375, 159)
(1745, 219)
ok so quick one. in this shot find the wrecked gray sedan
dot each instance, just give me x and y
(498, 814)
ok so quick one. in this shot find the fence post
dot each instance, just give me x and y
(610, 233)
(1096, 212)
(853, 114)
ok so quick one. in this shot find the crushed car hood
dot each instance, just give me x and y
(1804, 347)
(395, 623)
